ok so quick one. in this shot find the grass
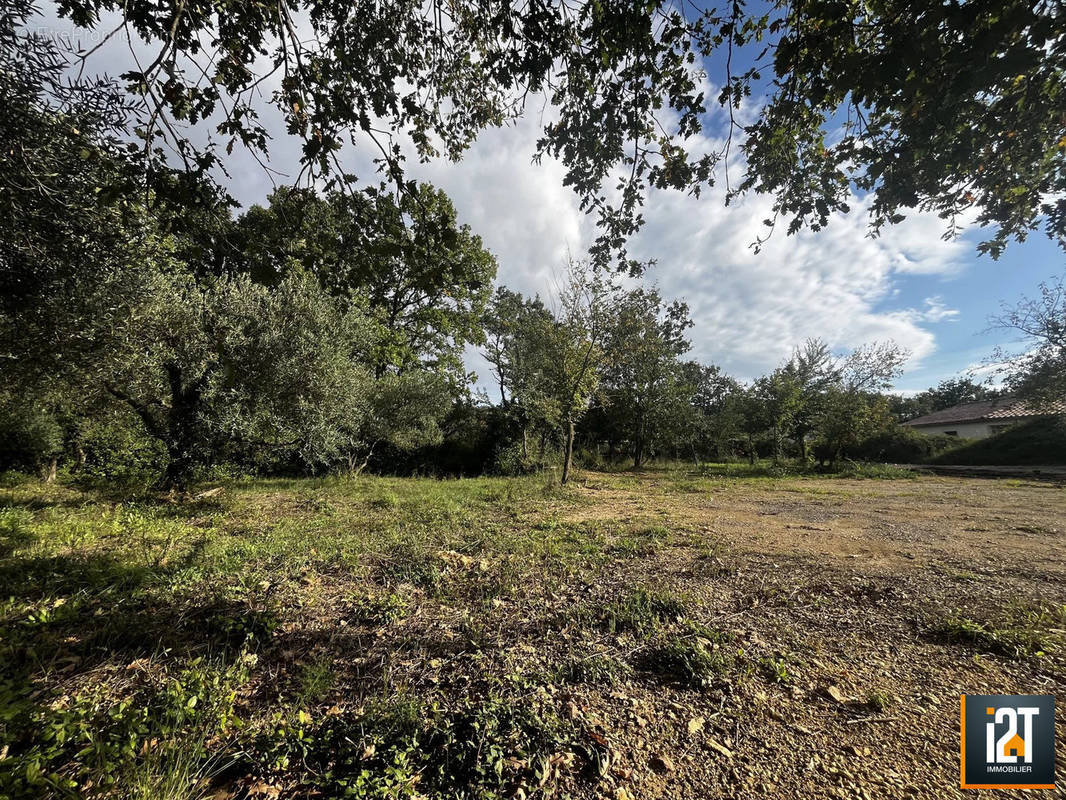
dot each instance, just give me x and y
(601, 670)
(380, 637)
(692, 661)
(1018, 632)
(639, 612)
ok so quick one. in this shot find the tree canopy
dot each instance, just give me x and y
(955, 108)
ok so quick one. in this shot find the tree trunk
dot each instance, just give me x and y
(568, 452)
(50, 471)
(803, 447)
(181, 429)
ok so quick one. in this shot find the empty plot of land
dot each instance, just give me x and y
(664, 634)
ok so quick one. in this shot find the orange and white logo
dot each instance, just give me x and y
(1008, 741)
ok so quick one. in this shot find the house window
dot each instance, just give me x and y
(951, 433)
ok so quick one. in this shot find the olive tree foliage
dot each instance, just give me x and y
(1038, 372)
(954, 108)
(233, 365)
(67, 222)
(101, 305)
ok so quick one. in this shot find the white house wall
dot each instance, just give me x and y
(964, 430)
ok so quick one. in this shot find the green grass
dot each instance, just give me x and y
(601, 670)
(692, 661)
(1017, 632)
(373, 637)
(639, 612)
(193, 594)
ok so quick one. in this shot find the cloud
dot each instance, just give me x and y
(749, 309)
(936, 311)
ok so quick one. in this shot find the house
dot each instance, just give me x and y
(1014, 747)
(981, 418)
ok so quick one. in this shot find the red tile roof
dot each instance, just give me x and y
(999, 408)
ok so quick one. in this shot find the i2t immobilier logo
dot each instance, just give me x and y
(1008, 741)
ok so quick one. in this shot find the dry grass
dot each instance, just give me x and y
(663, 634)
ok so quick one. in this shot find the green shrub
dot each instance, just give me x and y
(692, 661)
(485, 747)
(117, 453)
(900, 445)
(29, 437)
(151, 742)
(1034, 443)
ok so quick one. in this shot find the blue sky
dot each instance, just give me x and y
(976, 292)
(932, 297)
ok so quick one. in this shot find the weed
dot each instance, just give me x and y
(690, 661)
(380, 609)
(775, 670)
(873, 471)
(151, 741)
(316, 679)
(244, 627)
(600, 670)
(879, 701)
(1020, 632)
(642, 541)
(384, 501)
(16, 530)
(407, 563)
(485, 747)
(640, 612)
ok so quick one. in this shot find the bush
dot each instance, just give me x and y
(29, 438)
(117, 452)
(1034, 443)
(900, 445)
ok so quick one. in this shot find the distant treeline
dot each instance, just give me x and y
(150, 335)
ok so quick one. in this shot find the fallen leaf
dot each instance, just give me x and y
(836, 694)
(263, 789)
(696, 725)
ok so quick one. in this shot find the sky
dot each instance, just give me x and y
(749, 310)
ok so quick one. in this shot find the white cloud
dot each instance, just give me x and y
(749, 310)
(936, 311)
